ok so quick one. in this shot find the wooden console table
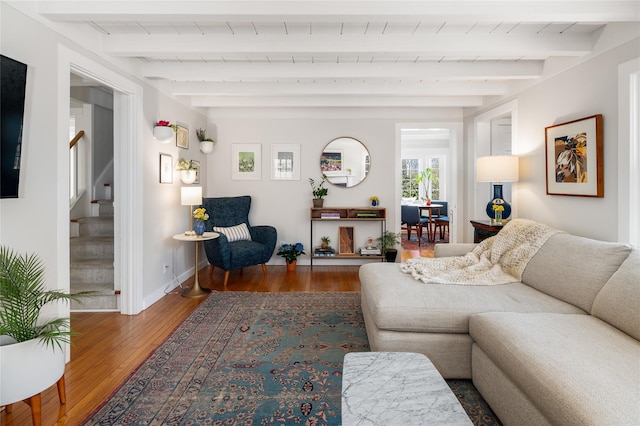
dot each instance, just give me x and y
(483, 229)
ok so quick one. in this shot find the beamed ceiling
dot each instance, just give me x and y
(221, 54)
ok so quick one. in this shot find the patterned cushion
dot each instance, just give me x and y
(234, 233)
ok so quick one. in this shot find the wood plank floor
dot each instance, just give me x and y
(110, 346)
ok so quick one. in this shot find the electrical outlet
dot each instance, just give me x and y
(165, 268)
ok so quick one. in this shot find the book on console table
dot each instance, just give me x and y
(330, 215)
(329, 251)
(374, 251)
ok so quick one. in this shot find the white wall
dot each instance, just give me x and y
(587, 89)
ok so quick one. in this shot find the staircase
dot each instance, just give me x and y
(92, 261)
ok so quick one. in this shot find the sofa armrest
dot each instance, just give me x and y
(447, 250)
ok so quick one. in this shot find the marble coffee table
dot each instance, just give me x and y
(396, 388)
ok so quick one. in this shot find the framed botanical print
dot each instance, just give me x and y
(246, 161)
(574, 158)
(285, 162)
(196, 166)
(166, 168)
(182, 137)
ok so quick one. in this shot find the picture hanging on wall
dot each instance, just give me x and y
(196, 166)
(182, 137)
(574, 158)
(246, 161)
(285, 161)
(166, 168)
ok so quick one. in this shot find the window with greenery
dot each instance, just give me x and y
(410, 170)
(435, 182)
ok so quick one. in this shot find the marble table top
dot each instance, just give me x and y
(396, 388)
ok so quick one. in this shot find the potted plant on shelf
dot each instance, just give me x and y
(187, 171)
(325, 242)
(387, 243)
(291, 252)
(32, 356)
(426, 177)
(206, 144)
(318, 191)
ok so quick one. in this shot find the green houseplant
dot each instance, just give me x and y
(426, 177)
(387, 243)
(31, 346)
(206, 143)
(318, 191)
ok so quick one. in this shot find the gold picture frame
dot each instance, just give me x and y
(182, 137)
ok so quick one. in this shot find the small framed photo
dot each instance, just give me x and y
(285, 161)
(346, 244)
(574, 158)
(166, 168)
(246, 161)
(182, 137)
(196, 166)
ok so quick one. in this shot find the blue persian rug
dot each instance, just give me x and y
(252, 359)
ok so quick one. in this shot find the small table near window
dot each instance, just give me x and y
(483, 229)
(195, 289)
(431, 228)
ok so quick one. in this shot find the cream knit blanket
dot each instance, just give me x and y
(497, 260)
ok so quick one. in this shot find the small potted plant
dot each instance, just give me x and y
(426, 177)
(187, 171)
(374, 201)
(291, 252)
(387, 243)
(206, 144)
(164, 131)
(318, 191)
(325, 242)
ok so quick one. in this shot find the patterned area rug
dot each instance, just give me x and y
(412, 244)
(253, 359)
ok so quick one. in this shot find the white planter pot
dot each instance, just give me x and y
(188, 176)
(206, 147)
(164, 134)
(28, 368)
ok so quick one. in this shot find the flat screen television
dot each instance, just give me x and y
(12, 95)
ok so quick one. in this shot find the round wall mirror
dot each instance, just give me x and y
(345, 162)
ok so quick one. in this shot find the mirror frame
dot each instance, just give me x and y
(335, 177)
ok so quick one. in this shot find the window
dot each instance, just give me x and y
(410, 170)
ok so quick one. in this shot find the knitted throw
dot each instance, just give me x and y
(500, 259)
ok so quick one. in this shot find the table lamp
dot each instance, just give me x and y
(191, 196)
(497, 169)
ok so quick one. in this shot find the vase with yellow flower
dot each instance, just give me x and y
(498, 209)
(199, 216)
(375, 201)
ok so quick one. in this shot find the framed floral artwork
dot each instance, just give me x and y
(246, 161)
(285, 161)
(166, 168)
(574, 158)
(196, 166)
(182, 137)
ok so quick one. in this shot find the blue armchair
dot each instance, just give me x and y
(239, 244)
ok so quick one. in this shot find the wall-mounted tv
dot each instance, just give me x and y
(12, 93)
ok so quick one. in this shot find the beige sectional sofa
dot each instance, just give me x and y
(560, 347)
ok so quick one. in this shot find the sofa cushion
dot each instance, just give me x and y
(618, 303)
(574, 269)
(576, 369)
(399, 302)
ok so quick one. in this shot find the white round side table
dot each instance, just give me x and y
(195, 289)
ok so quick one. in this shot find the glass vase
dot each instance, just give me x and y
(498, 218)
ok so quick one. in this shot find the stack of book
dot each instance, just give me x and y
(374, 251)
(330, 215)
(329, 251)
(366, 214)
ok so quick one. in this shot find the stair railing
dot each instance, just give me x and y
(74, 170)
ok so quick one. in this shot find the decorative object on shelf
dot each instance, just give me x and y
(32, 355)
(182, 137)
(498, 209)
(325, 241)
(166, 168)
(188, 171)
(369, 243)
(374, 201)
(291, 252)
(497, 169)
(426, 177)
(574, 158)
(387, 242)
(199, 216)
(191, 196)
(346, 243)
(164, 131)
(206, 144)
(318, 191)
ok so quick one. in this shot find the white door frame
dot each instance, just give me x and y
(127, 114)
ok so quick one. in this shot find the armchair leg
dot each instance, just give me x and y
(226, 277)
(211, 269)
(264, 269)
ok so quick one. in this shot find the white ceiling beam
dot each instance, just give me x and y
(476, 70)
(495, 45)
(343, 11)
(193, 88)
(335, 101)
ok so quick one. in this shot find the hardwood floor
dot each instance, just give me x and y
(110, 346)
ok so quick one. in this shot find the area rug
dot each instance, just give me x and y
(412, 244)
(252, 359)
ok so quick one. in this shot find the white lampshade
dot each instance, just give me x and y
(191, 195)
(497, 168)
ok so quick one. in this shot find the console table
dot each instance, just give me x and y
(483, 229)
(347, 214)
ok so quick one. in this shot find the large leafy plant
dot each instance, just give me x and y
(23, 295)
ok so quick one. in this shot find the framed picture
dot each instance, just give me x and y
(182, 137)
(196, 165)
(331, 161)
(574, 158)
(246, 161)
(346, 243)
(166, 168)
(285, 161)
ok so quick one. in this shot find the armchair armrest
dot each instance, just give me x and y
(447, 250)
(264, 234)
(218, 252)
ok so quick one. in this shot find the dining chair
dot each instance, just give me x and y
(410, 219)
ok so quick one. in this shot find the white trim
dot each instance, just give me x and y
(127, 174)
(629, 152)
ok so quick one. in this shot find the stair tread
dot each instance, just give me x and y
(103, 289)
(92, 239)
(92, 262)
(95, 219)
